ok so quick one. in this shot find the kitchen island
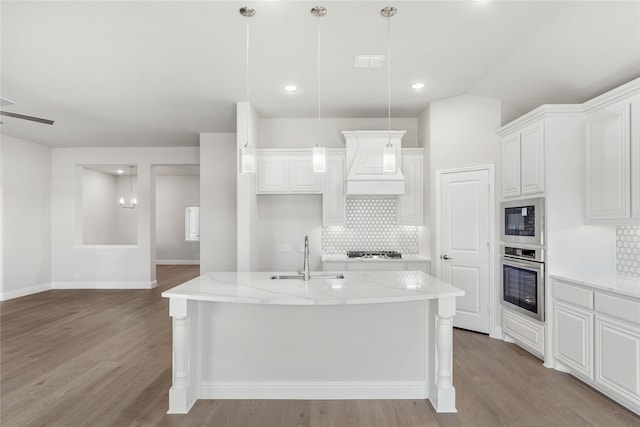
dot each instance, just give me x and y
(365, 335)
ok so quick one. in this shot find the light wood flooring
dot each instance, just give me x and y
(103, 358)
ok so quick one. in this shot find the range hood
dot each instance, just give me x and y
(365, 176)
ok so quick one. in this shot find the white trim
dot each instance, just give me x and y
(177, 262)
(614, 95)
(313, 390)
(494, 330)
(24, 291)
(104, 285)
(542, 111)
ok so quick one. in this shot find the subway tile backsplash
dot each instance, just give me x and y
(628, 250)
(370, 226)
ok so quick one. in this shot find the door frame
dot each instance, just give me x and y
(494, 331)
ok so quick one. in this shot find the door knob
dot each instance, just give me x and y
(445, 257)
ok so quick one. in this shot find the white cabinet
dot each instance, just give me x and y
(410, 204)
(618, 359)
(597, 339)
(613, 163)
(523, 161)
(573, 335)
(333, 194)
(526, 332)
(286, 172)
(399, 265)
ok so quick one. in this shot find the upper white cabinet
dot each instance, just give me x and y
(613, 156)
(410, 204)
(334, 197)
(286, 172)
(523, 161)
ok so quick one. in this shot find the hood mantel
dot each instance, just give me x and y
(364, 163)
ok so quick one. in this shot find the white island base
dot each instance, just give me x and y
(371, 335)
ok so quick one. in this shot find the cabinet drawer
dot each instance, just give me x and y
(526, 332)
(573, 294)
(620, 308)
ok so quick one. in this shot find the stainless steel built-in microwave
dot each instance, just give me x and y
(523, 221)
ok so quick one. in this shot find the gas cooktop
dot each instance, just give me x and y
(374, 254)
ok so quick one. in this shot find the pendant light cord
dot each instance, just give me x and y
(389, 75)
(318, 76)
(247, 82)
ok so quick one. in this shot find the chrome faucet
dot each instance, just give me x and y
(305, 267)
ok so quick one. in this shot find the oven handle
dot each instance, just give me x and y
(518, 262)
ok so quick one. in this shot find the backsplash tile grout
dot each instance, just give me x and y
(370, 226)
(628, 250)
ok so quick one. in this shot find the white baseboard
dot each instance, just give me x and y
(104, 285)
(313, 390)
(497, 333)
(17, 293)
(177, 262)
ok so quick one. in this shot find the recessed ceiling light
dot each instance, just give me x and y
(417, 85)
(291, 88)
(120, 171)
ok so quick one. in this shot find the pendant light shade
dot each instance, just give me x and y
(319, 159)
(247, 159)
(389, 158)
(131, 201)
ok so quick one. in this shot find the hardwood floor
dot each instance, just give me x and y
(103, 358)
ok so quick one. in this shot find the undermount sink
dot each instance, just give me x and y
(313, 276)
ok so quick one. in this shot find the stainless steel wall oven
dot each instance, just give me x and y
(523, 280)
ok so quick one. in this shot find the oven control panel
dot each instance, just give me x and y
(523, 253)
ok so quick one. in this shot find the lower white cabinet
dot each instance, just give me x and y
(573, 338)
(597, 339)
(526, 332)
(400, 265)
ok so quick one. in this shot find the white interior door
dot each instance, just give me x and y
(464, 257)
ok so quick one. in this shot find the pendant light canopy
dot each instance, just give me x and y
(132, 201)
(389, 152)
(247, 153)
(319, 152)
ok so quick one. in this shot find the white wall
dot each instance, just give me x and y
(218, 208)
(286, 219)
(297, 133)
(25, 179)
(462, 132)
(99, 202)
(173, 195)
(109, 266)
(424, 141)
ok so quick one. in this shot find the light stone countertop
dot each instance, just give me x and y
(357, 287)
(622, 285)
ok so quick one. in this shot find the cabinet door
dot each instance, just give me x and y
(573, 329)
(417, 266)
(511, 166)
(272, 176)
(334, 199)
(301, 176)
(635, 160)
(608, 163)
(376, 266)
(410, 204)
(618, 358)
(532, 155)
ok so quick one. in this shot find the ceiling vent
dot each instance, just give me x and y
(368, 61)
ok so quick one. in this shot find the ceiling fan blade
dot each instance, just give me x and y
(24, 117)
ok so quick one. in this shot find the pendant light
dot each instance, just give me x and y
(132, 202)
(247, 153)
(319, 152)
(389, 155)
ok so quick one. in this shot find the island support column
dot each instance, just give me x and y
(183, 391)
(442, 393)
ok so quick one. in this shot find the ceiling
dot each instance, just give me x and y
(157, 73)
